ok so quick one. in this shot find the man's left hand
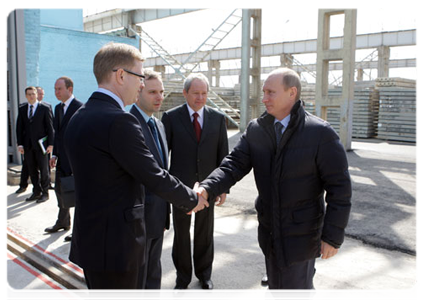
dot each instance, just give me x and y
(327, 251)
(49, 149)
(220, 199)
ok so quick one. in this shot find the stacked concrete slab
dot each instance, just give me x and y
(397, 109)
(365, 111)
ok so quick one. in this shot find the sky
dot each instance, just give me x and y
(184, 33)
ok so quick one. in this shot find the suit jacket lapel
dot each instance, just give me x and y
(69, 112)
(148, 136)
(207, 123)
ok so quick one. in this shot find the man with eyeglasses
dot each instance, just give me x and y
(110, 161)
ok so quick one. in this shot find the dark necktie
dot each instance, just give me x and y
(197, 127)
(61, 113)
(152, 124)
(31, 112)
(278, 131)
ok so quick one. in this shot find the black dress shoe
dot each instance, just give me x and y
(178, 292)
(207, 284)
(264, 280)
(33, 197)
(68, 238)
(20, 190)
(56, 228)
(43, 198)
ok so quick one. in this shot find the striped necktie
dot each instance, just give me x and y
(31, 112)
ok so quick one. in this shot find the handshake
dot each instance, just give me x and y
(202, 198)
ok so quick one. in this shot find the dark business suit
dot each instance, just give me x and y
(157, 210)
(63, 168)
(28, 133)
(110, 161)
(191, 162)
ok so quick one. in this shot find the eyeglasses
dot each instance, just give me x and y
(142, 77)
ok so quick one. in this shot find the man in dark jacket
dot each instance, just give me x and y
(35, 134)
(109, 160)
(63, 89)
(296, 158)
(198, 141)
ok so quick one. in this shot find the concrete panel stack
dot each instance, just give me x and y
(365, 110)
(397, 112)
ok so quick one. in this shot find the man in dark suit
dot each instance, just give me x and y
(157, 210)
(296, 158)
(198, 141)
(23, 184)
(63, 88)
(109, 159)
(35, 123)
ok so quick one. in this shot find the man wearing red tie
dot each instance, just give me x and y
(198, 141)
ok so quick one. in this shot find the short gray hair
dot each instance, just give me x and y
(191, 77)
(290, 78)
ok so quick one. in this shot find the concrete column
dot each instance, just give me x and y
(384, 53)
(214, 65)
(347, 55)
(161, 70)
(360, 73)
(245, 70)
(286, 60)
(256, 64)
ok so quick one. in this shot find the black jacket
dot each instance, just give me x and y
(110, 161)
(291, 180)
(59, 129)
(29, 132)
(192, 161)
(157, 210)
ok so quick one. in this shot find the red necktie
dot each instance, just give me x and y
(197, 127)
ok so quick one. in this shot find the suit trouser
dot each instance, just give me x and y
(297, 276)
(150, 276)
(38, 170)
(63, 217)
(24, 175)
(203, 244)
(111, 279)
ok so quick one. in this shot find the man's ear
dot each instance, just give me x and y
(293, 92)
(119, 76)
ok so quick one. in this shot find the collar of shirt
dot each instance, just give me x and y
(200, 113)
(143, 114)
(284, 122)
(109, 93)
(67, 103)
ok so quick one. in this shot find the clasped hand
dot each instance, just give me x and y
(202, 198)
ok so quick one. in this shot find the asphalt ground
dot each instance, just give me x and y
(378, 258)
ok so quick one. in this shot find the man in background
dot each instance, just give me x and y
(63, 89)
(198, 141)
(35, 134)
(23, 184)
(157, 210)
